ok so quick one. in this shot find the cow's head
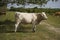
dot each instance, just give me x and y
(44, 16)
(41, 16)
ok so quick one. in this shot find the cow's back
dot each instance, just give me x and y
(26, 17)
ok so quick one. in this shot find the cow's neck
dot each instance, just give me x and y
(39, 19)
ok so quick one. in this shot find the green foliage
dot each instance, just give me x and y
(40, 2)
(3, 2)
(36, 10)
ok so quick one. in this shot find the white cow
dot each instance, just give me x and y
(32, 18)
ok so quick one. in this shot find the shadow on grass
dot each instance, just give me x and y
(8, 27)
(6, 22)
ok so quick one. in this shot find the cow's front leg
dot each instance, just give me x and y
(34, 27)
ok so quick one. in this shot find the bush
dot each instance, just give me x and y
(35, 10)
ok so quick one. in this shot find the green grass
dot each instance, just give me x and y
(42, 33)
(53, 20)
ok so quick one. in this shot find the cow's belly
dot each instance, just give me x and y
(27, 20)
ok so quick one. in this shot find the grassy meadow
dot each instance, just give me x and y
(47, 30)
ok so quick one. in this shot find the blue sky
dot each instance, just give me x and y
(50, 4)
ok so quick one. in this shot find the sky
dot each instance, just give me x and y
(50, 4)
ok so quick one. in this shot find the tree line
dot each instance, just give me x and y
(35, 10)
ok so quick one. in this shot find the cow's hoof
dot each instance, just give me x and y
(33, 31)
(14, 31)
